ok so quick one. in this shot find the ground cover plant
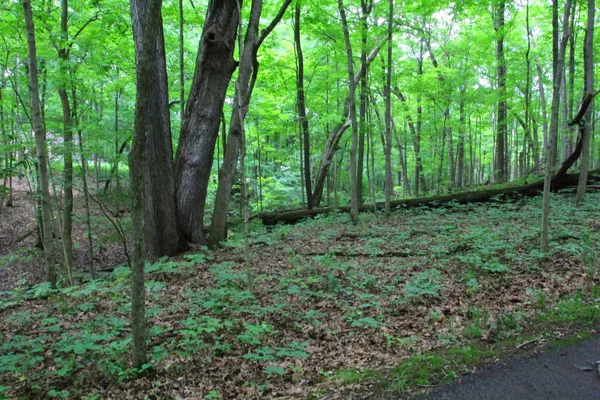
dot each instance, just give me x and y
(383, 307)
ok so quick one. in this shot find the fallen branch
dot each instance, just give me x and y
(483, 196)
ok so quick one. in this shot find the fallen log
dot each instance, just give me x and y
(559, 182)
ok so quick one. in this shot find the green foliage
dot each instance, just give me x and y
(424, 283)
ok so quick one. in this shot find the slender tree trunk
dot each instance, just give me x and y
(366, 8)
(502, 127)
(389, 187)
(161, 224)
(460, 165)
(553, 133)
(40, 145)
(354, 201)
(63, 55)
(588, 89)
(214, 66)
(148, 24)
(301, 107)
(335, 135)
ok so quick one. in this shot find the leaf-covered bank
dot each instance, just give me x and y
(326, 306)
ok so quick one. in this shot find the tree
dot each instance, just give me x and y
(161, 223)
(354, 200)
(301, 106)
(244, 86)
(40, 145)
(502, 123)
(149, 27)
(588, 89)
(200, 127)
(388, 113)
(553, 133)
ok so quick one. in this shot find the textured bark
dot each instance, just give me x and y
(301, 106)
(500, 173)
(200, 128)
(161, 223)
(351, 114)
(366, 8)
(388, 113)
(63, 55)
(40, 145)
(586, 131)
(248, 71)
(147, 22)
(553, 133)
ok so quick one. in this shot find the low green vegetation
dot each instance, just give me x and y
(393, 304)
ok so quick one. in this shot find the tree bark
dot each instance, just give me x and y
(148, 25)
(161, 223)
(388, 113)
(63, 55)
(588, 60)
(301, 106)
(40, 145)
(214, 66)
(500, 173)
(247, 74)
(553, 133)
(351, 114)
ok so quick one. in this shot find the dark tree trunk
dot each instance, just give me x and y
(161, 223)
(200, 128)
(301, 106)
(502, 126)
(147, 32)
(247, 74)
(40, 146)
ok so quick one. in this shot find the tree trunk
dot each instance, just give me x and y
(351, 114)
(40, 145)
(388, 113)
(588, 60)
(366, 8)
(502, 123)
(161, 224)
(247, 74)
(335, 135)
(301, 106)
(553, 133)
(63, 55)
(200, 127)
(147, 32)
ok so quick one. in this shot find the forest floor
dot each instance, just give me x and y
(388, 308)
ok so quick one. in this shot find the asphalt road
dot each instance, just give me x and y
(565, 373)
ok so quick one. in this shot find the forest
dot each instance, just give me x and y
(292, 199)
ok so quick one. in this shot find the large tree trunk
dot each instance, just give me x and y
(247, 74)
(161, 223)
(200, 128)
(147, 31)
(40, 145)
